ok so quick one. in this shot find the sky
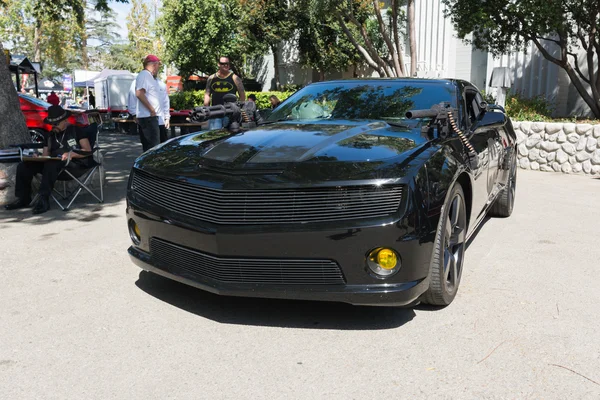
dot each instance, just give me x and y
(122, 9)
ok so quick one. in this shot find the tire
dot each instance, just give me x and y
(447, 259)
(504, 204)
(37, 135)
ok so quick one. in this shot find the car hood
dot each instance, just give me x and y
(285, 145)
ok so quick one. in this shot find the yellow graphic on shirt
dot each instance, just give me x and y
(222, 86)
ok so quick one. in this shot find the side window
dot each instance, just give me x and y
(471, 111)
(473, 100)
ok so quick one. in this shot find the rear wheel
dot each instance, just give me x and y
(448, 252)
(504, 204)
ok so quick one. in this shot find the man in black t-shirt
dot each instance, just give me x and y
(221, 83)
(64, 142)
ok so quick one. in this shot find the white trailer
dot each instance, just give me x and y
(111, 93)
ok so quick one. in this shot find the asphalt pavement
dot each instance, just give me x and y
(79, 321)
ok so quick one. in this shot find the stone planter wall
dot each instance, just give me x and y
(559, 147)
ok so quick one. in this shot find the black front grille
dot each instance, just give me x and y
(184, 262)
(280, 206)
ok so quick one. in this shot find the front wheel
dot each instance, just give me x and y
(448, 252)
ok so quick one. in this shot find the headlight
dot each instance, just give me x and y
(383, 262)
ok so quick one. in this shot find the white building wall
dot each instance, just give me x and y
(434, 41)
(440, 54)
(533, 75)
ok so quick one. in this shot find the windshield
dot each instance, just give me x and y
(358, 100)
(36, 101)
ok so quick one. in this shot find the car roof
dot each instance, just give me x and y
(458, 82)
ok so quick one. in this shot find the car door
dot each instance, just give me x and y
(484, 141)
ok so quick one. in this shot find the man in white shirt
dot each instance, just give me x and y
(149, 104)
(165, 116)
(132, 110)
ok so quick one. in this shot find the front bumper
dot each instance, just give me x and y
(346, 245)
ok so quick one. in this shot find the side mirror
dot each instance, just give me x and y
(492, 119)
(492, 107)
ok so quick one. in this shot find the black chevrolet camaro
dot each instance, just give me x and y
(358, 191)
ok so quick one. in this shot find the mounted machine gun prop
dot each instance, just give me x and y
(442, 123)
(242, 115)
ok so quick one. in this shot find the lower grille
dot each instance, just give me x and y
(184, 262)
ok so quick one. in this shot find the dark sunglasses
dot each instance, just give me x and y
(220, 63)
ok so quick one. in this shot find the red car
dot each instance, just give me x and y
(34, 111)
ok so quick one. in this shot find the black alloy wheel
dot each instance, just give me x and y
(449, 250)
(504, 204)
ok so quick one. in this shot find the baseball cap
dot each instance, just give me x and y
(151, 58)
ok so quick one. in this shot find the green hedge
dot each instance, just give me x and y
(534, 109)
(521, 108)
(195, 98)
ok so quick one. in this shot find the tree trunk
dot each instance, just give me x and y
(12, 129)
(276, 67)
(399, 48)
(85, 61)
(410, 14)
(37, 38)
(398, 69)
(365, 54)
(563, 62)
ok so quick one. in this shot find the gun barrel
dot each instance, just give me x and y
(204, 113)
(430, 113)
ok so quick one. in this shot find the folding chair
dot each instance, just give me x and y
(71, 172)
(81, 176)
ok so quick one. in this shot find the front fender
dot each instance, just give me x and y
(444, 169)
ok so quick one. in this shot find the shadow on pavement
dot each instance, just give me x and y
(119, 152)
(271, 312)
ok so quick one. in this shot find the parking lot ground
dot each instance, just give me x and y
(78, 320)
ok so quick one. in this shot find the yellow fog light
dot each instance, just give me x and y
(383, 262)
(386, 258)
(134, 232)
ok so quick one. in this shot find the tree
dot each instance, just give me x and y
(140, 34)
(199, 31)
(13, 22)
(557, 28)
(410, 11)
(378, 41)
(12, 128)
(322, 45)
(267, 22)
(51, 12)
(101, 29)
(121, 56)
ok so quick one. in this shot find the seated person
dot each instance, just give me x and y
(252, 111)
(63, 138)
